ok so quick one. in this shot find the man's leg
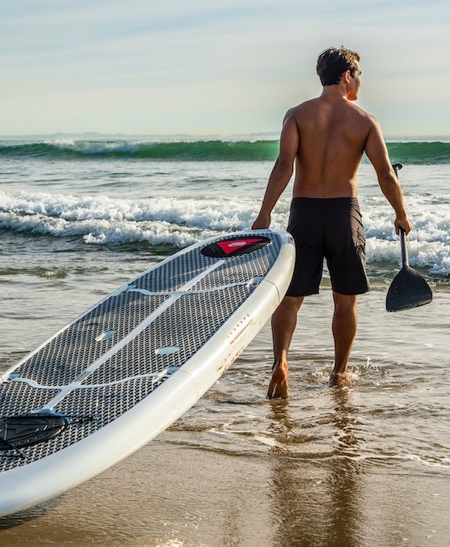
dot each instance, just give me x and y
(284, 321)
(345, 322)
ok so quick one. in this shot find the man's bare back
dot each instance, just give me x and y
(332, 134)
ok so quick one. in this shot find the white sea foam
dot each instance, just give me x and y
(102, 219)
(113, 221)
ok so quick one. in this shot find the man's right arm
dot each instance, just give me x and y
(390, 186)
(281, 173)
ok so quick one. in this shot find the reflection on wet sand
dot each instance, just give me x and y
(317, 496)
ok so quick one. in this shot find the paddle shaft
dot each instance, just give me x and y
(397, 167)
(405, 261)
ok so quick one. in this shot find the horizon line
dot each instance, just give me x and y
(274, 134)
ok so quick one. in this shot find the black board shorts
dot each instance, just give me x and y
(331, 229)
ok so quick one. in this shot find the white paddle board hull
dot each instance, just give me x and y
(147, 375)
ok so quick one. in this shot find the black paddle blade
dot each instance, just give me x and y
(408, 290)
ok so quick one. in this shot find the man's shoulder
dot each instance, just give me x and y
(303, 107)
(361, 112)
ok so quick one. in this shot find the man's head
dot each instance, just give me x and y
(333, 63)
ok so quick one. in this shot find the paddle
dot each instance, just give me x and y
(408, 288)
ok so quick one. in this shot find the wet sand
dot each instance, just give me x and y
(174, 496)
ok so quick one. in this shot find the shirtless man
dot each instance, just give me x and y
(326, 137)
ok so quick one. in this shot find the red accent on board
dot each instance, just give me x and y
(231, 245)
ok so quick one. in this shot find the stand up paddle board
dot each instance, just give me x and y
(122, 372)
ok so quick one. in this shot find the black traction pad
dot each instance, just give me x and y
(28, 429)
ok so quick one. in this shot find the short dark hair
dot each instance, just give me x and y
(333, 62)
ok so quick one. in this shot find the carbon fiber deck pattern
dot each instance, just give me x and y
(108, 356)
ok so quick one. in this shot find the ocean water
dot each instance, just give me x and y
(363, 465)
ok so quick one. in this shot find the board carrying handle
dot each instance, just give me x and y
(237, 246)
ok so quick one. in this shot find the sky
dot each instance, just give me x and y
(215, 67)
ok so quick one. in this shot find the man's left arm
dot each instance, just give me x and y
(390, 186)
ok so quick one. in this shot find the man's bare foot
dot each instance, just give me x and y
(341, 378)
(278, 386)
